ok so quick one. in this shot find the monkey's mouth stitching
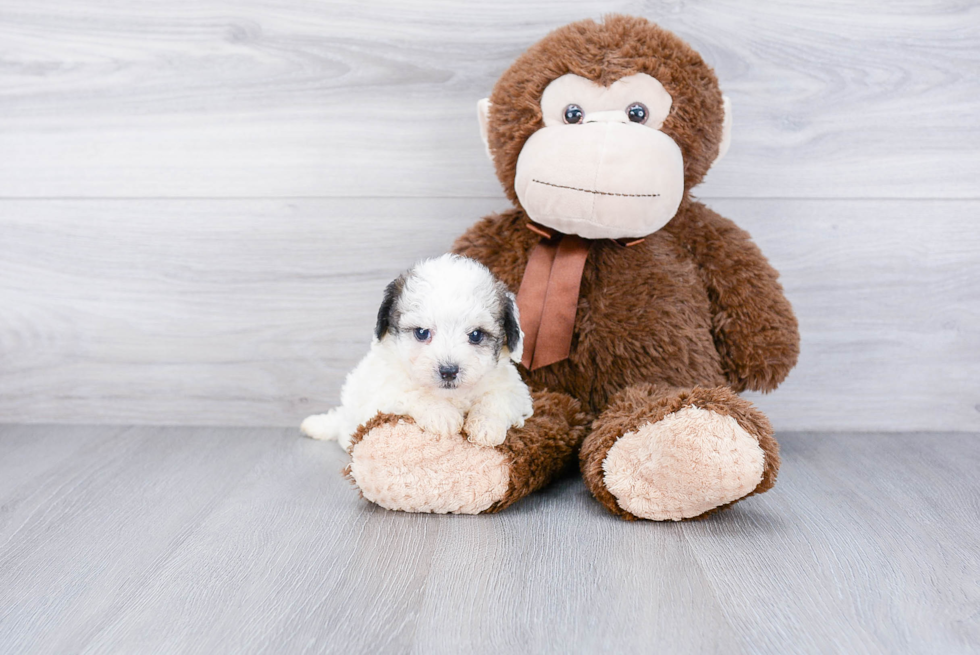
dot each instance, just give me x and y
(600, 193)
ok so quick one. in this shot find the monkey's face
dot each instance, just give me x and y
(602, 129)
(600, 167)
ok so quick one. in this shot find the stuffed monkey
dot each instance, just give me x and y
(644, 312)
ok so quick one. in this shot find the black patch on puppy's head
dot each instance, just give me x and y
(509, 319)
(388, 312)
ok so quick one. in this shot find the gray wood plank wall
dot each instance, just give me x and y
(200, 202)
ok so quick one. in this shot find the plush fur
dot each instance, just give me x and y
(682, 465)
(695, 303)
(645, 404)
(666, 331)
(604, 52)
(445, 334)
(434, 473)
(398, 466)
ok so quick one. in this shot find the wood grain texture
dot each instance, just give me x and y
(220, 189)
(208, 540)
(222, 98)
(251, 312)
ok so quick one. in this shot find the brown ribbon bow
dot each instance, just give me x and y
(548, 297)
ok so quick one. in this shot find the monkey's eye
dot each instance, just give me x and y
(476, 336)
(637, 112)
(421, 334)
(573, 114)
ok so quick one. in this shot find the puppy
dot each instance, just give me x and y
(447, 331)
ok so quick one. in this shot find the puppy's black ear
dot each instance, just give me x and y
(511, 323)
(388, 312)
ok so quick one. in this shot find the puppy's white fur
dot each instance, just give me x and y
(445, 300)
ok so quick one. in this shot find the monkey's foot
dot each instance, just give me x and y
(678, 455)
(399, 466)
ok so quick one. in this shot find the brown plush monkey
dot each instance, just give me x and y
(644, 312)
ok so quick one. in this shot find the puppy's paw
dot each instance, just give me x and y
(319, 426)
(443, 420)
(484, 430)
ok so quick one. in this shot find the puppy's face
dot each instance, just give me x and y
(450, 321)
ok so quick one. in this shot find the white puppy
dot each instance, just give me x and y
(446, 332)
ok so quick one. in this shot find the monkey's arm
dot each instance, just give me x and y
(754, 327)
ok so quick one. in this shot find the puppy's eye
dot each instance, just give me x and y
(637, 112)
(476, 336)
(573, 114)
(421, 334)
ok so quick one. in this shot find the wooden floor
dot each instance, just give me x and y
(208, 540)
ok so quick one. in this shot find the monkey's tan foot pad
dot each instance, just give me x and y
(687, 463)
(398, 466)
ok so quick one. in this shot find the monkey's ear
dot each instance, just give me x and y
(388, 313)
(512, 328)
(726, 129)
(483, 114)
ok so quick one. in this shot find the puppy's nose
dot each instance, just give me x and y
(448, 372)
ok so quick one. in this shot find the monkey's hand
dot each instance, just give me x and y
(753, 324)
(758, 349)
